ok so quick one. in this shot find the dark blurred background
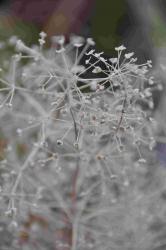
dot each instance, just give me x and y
(138, 24)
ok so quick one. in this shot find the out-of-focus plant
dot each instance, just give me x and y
(74, 147)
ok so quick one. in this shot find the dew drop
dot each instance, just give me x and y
(142, 160)
(59, 142)
(90, 41)
(19, 131)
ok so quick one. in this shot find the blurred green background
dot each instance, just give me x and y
(140, 25)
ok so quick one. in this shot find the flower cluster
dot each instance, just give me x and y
(74, 128)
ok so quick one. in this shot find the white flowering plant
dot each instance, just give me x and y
(75, 141)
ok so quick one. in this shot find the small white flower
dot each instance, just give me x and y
(41, 41)
(90, 52)
(58, 39)
(19, 131)
(90, 41)
(18, 57)
(147, 92)
(43, 34)
(20, 45)
(113, 60)
(93, 85)
(98, 54)
(97, 70)
(77, 41)
(120, 48)
(134, 59)
(60, 50)
(151, 81)
(13, 40)
(77, 69)
(149, 63)
(142, 160)
(87, 61)
(100, 87)
(129, 55)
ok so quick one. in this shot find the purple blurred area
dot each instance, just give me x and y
(37, 11)
(161, 152)
(56, 16)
